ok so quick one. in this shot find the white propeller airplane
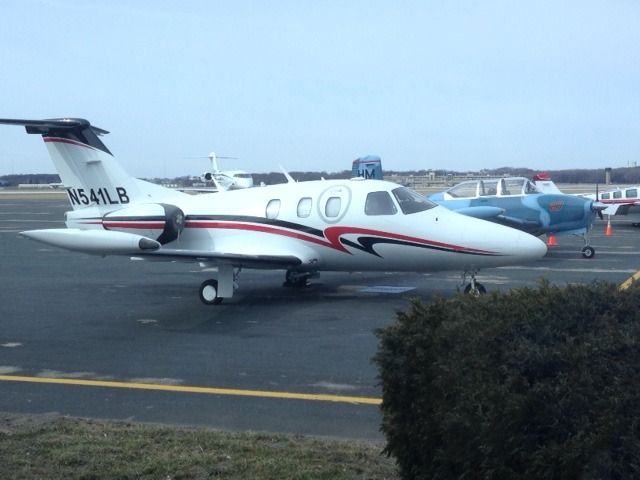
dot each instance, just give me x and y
(303, 228)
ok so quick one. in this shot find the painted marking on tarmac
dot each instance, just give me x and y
(7, 369)
(599, 252)
(147, 321)
(11, 345)
(386, 289)
(629, 281)
(32, 221)
(193, 389)
(577, 270)
(24, 213)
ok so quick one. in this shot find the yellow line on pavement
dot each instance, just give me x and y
(192, 389)
(627, 283)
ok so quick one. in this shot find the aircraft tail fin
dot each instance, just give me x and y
(86, 167)
(369, 166)
(545, 184)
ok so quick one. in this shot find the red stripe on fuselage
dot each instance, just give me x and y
(622, 201)
(138, 224)
(66, 140)
(262, 228)
(332, 235)
(154, 225)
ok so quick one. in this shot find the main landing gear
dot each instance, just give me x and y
(209, 292)
(213, 291)
(473, 288)
(297, 279)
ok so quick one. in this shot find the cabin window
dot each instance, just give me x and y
(617, 194)
(332, 207)
(411, 201)
(513, 186)
(631, 193)
(379, 203)
(304, 207)
(464, 190)
(488, 187)
(606, 196)
(273, 209)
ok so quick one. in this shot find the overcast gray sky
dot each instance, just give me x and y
(458, 85)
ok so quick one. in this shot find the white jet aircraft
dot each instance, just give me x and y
(227, 179)
(303, 228)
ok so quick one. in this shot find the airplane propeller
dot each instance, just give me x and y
(598, 206)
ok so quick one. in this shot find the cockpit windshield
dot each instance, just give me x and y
(410, 201)
(530, 188)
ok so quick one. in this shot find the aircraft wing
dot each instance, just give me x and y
(484, 212)
(496, 214)
(198, 189)
(517, 222)
(235, 259)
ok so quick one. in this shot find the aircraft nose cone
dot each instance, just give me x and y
(529, 247)
(512, 246)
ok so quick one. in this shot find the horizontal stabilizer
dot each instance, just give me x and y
(46, 126)
(73, 129)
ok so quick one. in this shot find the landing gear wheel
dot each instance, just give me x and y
(476, 290)
(295, 279)
(209, 292)
(588, 252)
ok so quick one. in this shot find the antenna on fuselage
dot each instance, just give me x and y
(286, 174)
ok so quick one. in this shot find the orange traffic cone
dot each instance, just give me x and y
(608, 231)
(551, 241)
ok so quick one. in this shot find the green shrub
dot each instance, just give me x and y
(533, 383)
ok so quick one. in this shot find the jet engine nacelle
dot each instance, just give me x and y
(160, 221)
(94, 241)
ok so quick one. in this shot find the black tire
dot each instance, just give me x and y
(588, 252)
(295, 279)
(209, 292)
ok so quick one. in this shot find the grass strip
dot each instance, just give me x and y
(56, 447)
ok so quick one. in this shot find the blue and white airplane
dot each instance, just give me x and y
(303, 228)
(519, 203)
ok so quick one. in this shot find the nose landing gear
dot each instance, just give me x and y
(588, 251)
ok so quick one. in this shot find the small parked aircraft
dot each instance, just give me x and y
(518, 202)
(222, 180)
(305, 227)
(227, 179)
(618, 201)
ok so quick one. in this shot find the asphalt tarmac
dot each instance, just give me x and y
(111, 338)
